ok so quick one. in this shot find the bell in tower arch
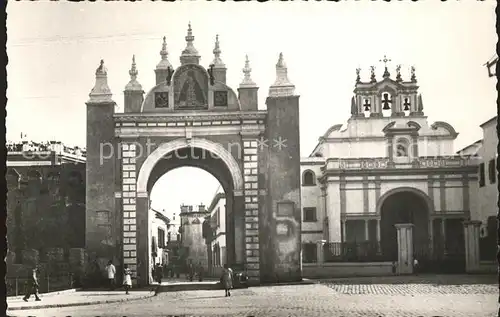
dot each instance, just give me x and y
(386, 101)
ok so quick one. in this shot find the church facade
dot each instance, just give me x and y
(387, 166)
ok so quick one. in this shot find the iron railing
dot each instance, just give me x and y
(17, 286)
(366, 251)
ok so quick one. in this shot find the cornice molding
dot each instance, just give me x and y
(191, 116)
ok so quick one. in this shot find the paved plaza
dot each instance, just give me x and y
(394, 297)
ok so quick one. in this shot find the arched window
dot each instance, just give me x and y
(308, 178)
(402, 147)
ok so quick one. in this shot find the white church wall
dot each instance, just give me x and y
(454, 193)
(354, 200)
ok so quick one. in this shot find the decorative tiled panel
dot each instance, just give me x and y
(129, 179)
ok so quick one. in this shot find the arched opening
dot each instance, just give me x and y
(194, 215)
(308, 178)
(399, 207)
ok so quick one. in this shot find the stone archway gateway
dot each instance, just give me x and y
(191, 112)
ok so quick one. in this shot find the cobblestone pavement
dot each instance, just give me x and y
(330, 298)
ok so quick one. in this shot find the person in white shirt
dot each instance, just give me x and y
(415, 266)
(111, 271)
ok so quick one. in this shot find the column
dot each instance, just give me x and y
(129, 206)
(379, 249)
(344, 232)
(366, 230)
(471, 230)
(431, 234)
(443, 234)
(333, 204)
(251, 206)
(405, 248)
(319, 252)
(143, 245)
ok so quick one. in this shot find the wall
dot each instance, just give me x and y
(488, 194)
(154, 225)
(330, 270)
(218, 217)
(45, 207)
(280, 177)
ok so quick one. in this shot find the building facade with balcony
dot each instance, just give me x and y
(387, 165)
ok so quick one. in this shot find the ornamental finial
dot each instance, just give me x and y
(133, 71)
(247, 80)
(164, 63)
(133, 83)
(373, 79)
(413, 77)
(190, 53)
(358, 79)
(282, 86)
(217, 62)
(101, 91)
(398, 73)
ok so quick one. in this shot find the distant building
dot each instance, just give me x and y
(192, 233)
(159, 228)
(217, 240)
(46, 197)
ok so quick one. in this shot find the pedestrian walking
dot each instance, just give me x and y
(227, 279)
(394, 267)
(111, 271)
(200, 272)
(190, 273)
(159, 273)
(127, 278)
(32, 287)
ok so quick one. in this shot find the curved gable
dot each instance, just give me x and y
(445, 126)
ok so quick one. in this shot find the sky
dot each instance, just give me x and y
(53, 58)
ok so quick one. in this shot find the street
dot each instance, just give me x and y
(354, 297)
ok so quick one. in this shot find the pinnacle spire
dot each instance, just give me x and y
(101, 91)
(282, 86)
(164, 63)
(133, 83)
(247, 80)
(190, 53)
(217, 62)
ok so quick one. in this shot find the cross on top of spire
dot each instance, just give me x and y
(386, 72)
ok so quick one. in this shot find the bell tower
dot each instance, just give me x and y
(387, 97)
